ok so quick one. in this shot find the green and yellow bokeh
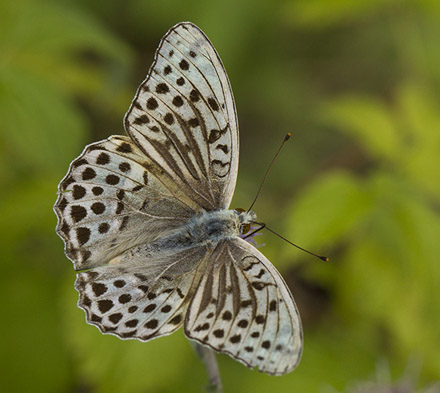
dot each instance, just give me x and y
(358, 84)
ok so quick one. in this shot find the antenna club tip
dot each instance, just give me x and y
(325, 259)
(288, 135)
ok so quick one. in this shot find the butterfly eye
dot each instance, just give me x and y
(239, 210)
(245, 228)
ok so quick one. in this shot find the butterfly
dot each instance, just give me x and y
(145, 220)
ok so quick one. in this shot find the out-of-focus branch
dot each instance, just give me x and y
(208, 357)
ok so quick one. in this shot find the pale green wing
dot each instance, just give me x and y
(243, 307)
(139, 295)
(183, 117)
(113, 198)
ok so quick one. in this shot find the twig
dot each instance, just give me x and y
(208, 358)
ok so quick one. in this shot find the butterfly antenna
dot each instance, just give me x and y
(325, 259)
(286, 138)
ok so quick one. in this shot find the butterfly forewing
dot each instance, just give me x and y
(243, 307)
(183, 117)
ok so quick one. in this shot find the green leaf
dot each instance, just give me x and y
(30, 285)
(41, 127)
(368, 121)
(321, 13)
(42, 64)
(34, 357)
(420, 119)
(328, 210)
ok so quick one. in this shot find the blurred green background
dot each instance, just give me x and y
(358, 83)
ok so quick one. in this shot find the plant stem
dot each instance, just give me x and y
(208, 358)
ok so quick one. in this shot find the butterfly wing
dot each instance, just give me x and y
(183, 117)
(243, 307)
(140, 298)
(113, 198)
(184, 128)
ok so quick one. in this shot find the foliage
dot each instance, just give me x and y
(358, 82)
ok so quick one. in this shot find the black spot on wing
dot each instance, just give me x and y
(124, 167)
(99, 288)
(78, 213)
(112, 179)
(176, 320)
(119, 283)
(98, 208)
(105, 305)
(97, 190)
(167, 70)
(162, 88)
(78, 192)
(213, 104)
(151, 307)
(103, 159)
(142, 120)
(168, 118)
(152, 103)
(88, 174)
(177, 101)
(115, 318)
(184, 65)
(83, 235)
(124, 148)
(152, 324)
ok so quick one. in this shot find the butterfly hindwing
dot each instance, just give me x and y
(243, 307)
(141, 298)
(112, 199)
(183, 117)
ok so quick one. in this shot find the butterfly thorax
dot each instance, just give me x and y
(206, 229)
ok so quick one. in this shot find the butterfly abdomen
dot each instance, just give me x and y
(206, 229)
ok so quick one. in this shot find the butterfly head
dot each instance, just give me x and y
(245, 219)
